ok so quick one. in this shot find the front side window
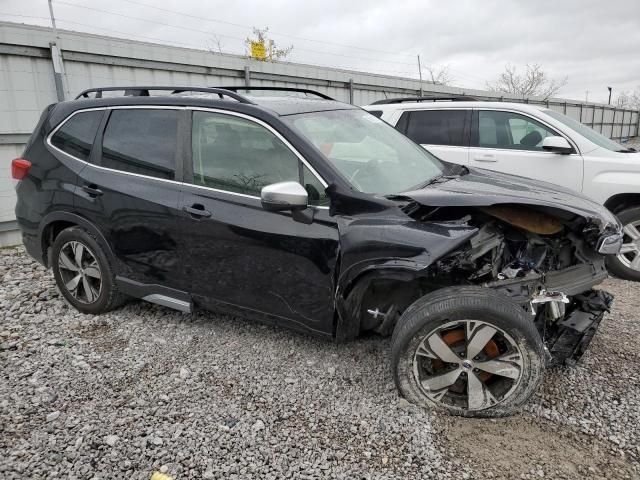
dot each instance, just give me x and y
(367, 151)
(77, 135)
(436, 127)
(237, 155)
(495, 129)
(141, 141)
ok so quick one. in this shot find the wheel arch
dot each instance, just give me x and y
(621, 201)
(401, 282)
(55, 222)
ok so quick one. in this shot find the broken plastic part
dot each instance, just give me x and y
(545, 296)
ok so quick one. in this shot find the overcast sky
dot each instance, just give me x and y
(594, 43)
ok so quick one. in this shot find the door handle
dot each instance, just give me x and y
(92, 190)
(197, 210)
(486, 158)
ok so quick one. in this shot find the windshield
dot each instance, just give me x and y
(586, 132)
(373, 155)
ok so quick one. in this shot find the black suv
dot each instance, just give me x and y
(311, 213)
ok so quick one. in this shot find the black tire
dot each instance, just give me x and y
(487, 308)
(103, 299)
(615, 266)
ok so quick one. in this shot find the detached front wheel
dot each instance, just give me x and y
(467, 350)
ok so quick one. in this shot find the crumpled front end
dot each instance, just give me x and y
(546, 264)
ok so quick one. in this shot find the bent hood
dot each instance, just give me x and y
(486, 188)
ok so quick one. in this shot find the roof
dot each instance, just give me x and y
(293, 105)
(523, 107)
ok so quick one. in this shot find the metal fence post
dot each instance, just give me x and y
(58, 70)
(247, 76)
(351, 91)
(580, 113)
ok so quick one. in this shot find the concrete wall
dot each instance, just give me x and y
(27, 84)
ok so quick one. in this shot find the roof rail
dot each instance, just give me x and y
(280, 89)
(427, 98)
(143, 91)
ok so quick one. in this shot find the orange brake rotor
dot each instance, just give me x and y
(456, 336)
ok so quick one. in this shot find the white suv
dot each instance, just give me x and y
(534, 142)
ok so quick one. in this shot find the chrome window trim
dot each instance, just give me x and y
(525, 114)
(170, 107)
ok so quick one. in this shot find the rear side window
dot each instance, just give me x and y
(437, 127)
(141, 141)
(77, 134)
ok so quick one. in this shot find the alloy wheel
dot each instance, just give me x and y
(80, 272)
(629, 255)
(468, 365)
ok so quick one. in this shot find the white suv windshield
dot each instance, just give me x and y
(373, 155)
(586, 132)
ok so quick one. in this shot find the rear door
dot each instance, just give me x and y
(240, 255)
(511, 142)
(130, 191)
(444, 132)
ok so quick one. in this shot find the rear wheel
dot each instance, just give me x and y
(626, 264)
(82, 272)
(467, 350)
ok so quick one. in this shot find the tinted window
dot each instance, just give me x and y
(238, 155)
(437, 127)
(376, 113)
(76, 136)
(141, 141)
(510, 130)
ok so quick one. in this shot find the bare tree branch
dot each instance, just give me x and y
(533, 83)
(629, 99)
(214, 44)
(440, 75)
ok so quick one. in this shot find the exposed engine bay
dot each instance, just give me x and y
(546, 264)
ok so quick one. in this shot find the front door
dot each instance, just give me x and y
(510, 142)
(240, 255)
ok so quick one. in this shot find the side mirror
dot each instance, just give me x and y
(557, 145)
(284, 196)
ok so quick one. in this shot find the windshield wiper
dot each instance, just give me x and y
(627, 150)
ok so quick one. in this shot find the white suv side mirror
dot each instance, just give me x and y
(557, 145)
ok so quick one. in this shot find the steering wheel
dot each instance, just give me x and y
(371, 164)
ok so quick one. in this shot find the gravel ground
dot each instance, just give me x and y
(147, 389)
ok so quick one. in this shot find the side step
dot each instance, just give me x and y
(159, 294)
(169, 302)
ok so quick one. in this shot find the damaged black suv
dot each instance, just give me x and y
(294, 208)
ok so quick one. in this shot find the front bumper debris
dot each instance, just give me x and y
(576, 330)
(610, 244)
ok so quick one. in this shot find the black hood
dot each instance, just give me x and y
(484, 188)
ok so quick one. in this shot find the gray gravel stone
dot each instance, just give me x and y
(146, 389)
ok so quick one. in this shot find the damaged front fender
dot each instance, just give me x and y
(389, 247)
